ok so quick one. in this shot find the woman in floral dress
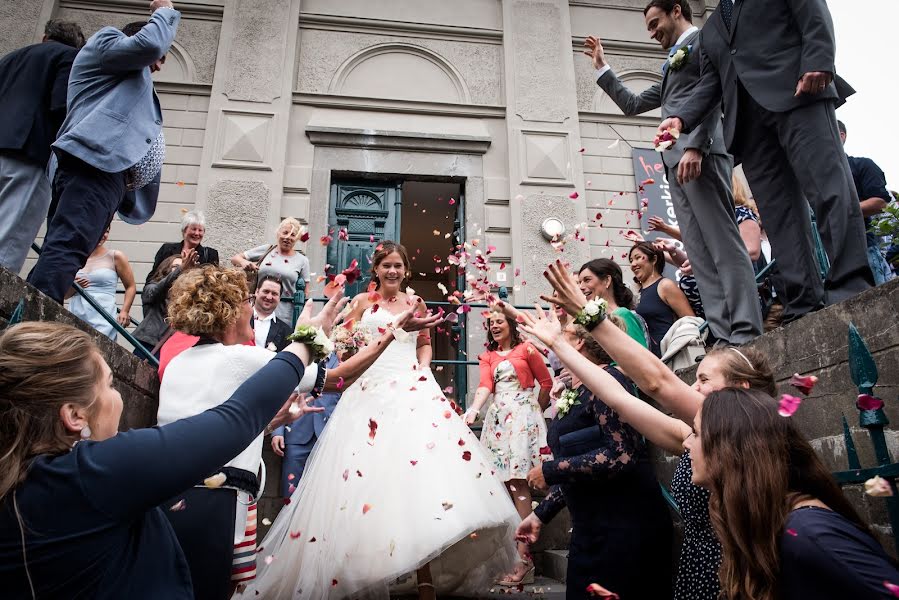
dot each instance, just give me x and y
(514, 429)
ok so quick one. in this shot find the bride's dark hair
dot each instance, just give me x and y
(385, 249)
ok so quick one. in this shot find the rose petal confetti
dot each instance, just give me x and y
(878, 487)
(594, 589)
(372, 429)
(788, 405)
(894, 589)
(295, 535)
(447, 505)
(574, 195)
(304, 237)
(366, 508)
(179, 505)
(868, 402)
(266, 521)
(803, 383)
(466, 455)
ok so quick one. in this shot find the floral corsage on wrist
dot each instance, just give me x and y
(592, 314)
(565, 402)
(319, 344)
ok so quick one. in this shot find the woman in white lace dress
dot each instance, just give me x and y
(396, 485)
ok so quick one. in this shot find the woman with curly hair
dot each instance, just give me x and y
(786, 529)
(217, 527)
(82, 505)
(514, 429)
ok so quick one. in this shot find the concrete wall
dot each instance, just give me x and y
(135, 380)
(818, 345)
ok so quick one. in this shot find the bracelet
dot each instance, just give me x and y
(319, 344)
(592, 314)
(320, 381)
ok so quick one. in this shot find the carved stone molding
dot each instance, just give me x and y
(545, 158)
(378, 26)
(256, 60)
(394, 140)
(244, 140)
(392, 105)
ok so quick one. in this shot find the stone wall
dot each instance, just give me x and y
(818, 345)
(135, 380)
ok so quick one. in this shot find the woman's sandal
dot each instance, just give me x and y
(526, 578)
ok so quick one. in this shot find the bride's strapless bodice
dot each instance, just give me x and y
(399, 355)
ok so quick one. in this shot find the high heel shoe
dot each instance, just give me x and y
(528, 576)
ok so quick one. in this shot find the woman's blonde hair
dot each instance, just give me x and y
(741, 198)
(207, 300)
(295, 225)
(43, 366)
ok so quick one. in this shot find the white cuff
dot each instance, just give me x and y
(308, 381)
(602, 71)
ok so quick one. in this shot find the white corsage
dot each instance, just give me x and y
(592, 313)
(677, 60)
(314, 337)
(564, 404)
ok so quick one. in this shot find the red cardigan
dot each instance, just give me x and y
(528, 364)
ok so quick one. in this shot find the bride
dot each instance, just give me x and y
(397, 483)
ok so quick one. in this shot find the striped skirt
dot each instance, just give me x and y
(244, 566)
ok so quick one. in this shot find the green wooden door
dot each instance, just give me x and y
(369, 212)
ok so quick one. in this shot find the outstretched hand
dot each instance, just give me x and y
(295, 407)
(528, 531)
(568, 294)
(328, 315)
(545, 328)
(408, 320)
(595, 51)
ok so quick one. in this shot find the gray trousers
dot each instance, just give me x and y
(705, 213)
(24, 200)
(793, 160)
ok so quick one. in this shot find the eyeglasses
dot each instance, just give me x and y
(251, 299)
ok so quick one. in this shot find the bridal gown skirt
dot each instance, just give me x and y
(396, 481)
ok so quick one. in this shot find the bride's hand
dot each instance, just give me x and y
(414, 322)
(295, 407)
(545, 328)
(568, 295)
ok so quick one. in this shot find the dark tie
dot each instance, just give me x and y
(727, 11)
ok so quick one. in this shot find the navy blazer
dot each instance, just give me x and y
(301, 430)
(113, 112)
(33, 84)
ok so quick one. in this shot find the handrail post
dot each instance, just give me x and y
(299, 299)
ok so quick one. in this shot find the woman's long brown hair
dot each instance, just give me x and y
(759, 466)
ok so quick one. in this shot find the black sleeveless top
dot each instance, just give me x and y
(658, 316)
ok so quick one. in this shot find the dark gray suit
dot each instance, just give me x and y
(790, 147)
(704, 207)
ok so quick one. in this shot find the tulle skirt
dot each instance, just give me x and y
(396, 481)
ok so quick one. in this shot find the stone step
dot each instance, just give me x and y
(552, 564)
(543, 587)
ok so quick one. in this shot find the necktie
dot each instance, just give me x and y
(727, 11)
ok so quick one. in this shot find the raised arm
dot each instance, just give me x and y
(642, 366)
(629, 102)
(120, 53)
(541, 375)
(138, 469)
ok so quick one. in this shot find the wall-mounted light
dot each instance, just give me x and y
(552, 228)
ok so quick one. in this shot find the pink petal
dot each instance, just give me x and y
(788, 405)
(867, 402)
(894, 589)
(574, 195)
(803, 383)
(594, 589)
(792, 532)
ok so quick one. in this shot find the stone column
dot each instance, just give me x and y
(242, 171)
(544, 139)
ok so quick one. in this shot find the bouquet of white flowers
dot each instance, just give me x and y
(349, 337)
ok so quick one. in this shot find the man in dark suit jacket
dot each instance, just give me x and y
(771, 64)
(270, 332)
(33, 84)
(705, 206)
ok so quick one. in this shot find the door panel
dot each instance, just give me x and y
(369, 212)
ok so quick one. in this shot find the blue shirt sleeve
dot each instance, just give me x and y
(138, 469)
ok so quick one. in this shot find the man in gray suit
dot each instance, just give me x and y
(111, 137)
(771, 63)
(704, 206)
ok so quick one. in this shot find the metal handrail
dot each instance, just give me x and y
(109, 319)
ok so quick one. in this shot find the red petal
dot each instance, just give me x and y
(788, 405)
(304, 237)
(366, 508)
(461, 442)
(372, 429)
(894, 589)
(594, 589)
(295, 535)
(413, 462)
(803, 383)
(868, 402)
(573, 195)
(466, 455)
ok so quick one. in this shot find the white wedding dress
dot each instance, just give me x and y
(397, 480)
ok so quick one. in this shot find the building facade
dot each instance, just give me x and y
(430, 122)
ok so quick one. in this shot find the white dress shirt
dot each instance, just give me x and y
(261, 327)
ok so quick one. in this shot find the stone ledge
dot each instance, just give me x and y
(397, 140)
(134, 379)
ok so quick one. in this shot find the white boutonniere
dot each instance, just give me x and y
(677, 60)
(564, 404)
